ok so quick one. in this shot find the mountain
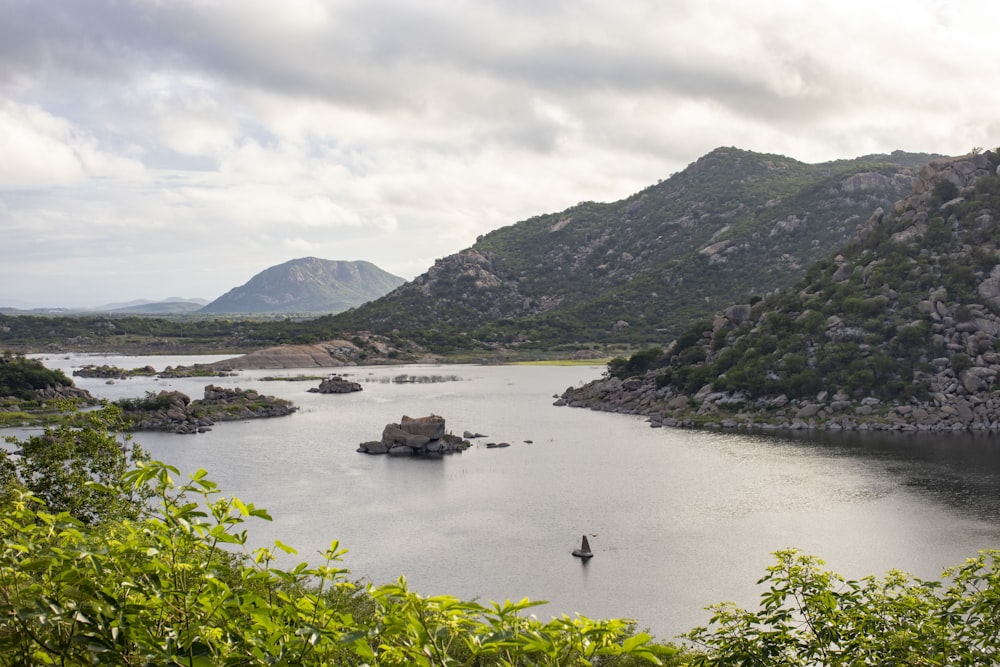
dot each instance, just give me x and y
(171, 306)
(731, 225)
(307, 285)
(899, 330)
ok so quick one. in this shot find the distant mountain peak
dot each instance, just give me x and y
(307, 285)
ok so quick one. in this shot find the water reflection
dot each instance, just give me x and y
(961, 470)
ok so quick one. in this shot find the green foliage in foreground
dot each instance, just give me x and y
(809, 616)
(172, 589)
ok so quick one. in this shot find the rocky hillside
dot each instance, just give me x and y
(898, 330)
(732, 225)
(307, 285)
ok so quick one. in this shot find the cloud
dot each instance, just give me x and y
(137, 137)
(40, 149)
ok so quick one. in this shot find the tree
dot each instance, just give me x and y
(78, 469)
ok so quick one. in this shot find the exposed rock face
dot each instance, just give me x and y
(962, 171)
(362, 349)
(322, 355)
(336, 385)
(416, 436)
(179, 414)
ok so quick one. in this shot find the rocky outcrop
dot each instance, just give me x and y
(336, 385)
(420, 436)
(963, 171)
(362, 349)
(175, 412)
(954, 408)
(65, 391)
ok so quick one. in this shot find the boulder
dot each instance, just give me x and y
(393, 435)
(432, 427)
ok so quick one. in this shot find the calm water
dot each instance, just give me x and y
(679, 519)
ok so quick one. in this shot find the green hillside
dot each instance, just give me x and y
(731, 225)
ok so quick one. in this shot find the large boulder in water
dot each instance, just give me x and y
(416, 436)
(432, 426)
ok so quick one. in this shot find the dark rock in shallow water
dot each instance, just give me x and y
(336, 385)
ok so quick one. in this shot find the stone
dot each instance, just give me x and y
(809, 410)
(678, 403)
(431, 426)
(393, 435)
(737, 314)
(972, 382)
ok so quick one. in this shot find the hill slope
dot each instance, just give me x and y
(898, 330)
(733, 224)
(307, 285)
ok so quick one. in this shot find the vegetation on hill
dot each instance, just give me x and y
(906, 315)
(637, 270)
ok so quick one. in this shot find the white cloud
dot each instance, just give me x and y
(40, 149)
(136, 138)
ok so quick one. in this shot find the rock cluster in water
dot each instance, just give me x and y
(179, 414)
(335, 384)
(420, 436)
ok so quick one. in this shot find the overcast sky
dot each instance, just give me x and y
(158, 148)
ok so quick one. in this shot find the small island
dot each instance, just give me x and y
(175, 412)
(335, 384)
(420, 436)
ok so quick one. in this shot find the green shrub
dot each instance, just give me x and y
(22, 377)
(811, 616)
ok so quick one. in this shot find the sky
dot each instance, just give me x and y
(175, 148)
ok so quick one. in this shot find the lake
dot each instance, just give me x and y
(678, 519)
